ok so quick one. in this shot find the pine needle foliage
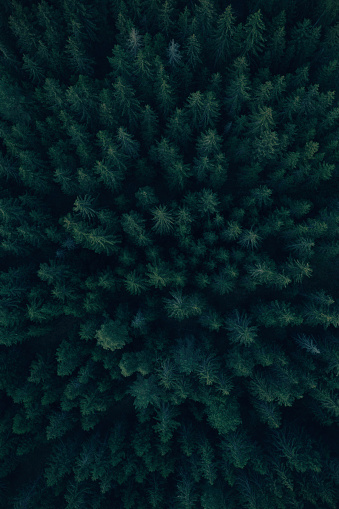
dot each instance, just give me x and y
(169, 242)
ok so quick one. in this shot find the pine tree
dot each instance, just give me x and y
(177, 175)
(238, 447)
(207, 369)
(34, 71)
(195, 107)
(250, 239)
(224, 281)
(21, 25)
(261, 121)
(174, 54)
(129, 146)
(178, 128)
(305, 38)
(158, 274)
(120, 63)
(183, 306)
(278, 313)
(149, 125)
(208, 202)
(232, 231)
(84, 16)
(166, 423)
(79, 60)
(145, 197)
(163, 220)
(203, 167)
(261, 196)
(125, 102)
(224, 36)
(135, 283)
(207, 462)
(210, 110)
(165, 21)
(206, 15)
(165, 152)
(10, 209)
(134, 42)
(240, 330)
(167, 373)
(268, 412)
(187, 354)
(98, 239)
(33, 172)
(186, 492)
(163, 89)
(82, 98)
(77, 493)
(298, 270)
(9, 170)
(59, 424)
(294, 447)
(84, 207)
(113, 335)
(113, 168)
(40, 309)
(155, 490)
(302, 247)
(307, 342)
(134, 225)
(145, 392)
(193, 51)
(238, 89)
(210, 320)
(253, 34)
(223, 417)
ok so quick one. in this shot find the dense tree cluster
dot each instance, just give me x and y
(169, 246)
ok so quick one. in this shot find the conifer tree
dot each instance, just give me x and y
(254, 38)
(112, 335)
(177, 175)
(78, 58)
(84, 207)
(193, 51)
(21, 25)
(305, 38)
(183, 306)
(134, 225)
(249, 239)
(186, 491)
(82, 98)
(224, 35)
(120, 63)
(238, 89)
(205, 14)
(145, 392)
(178, 128)
(125, 102)
(240, 330)
(162, 219)
(163, 89)
(149, 124)
(127, 144)
(174, 54)
(135, 283)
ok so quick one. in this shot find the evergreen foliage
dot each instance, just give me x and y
(169, 249)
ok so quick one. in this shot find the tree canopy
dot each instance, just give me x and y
(169, 246)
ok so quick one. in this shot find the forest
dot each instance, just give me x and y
(169, 254)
